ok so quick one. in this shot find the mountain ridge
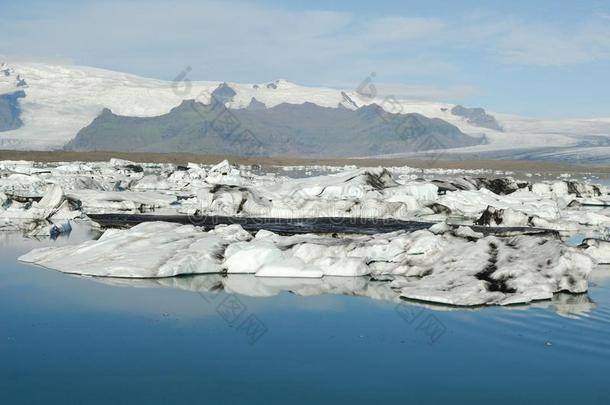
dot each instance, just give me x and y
(305, 129)
(63, 99)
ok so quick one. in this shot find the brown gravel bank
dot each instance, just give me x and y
(183, 158)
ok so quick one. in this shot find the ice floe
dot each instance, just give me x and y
(49, 215)
(148, 250)
(435, 195)
(454, 267)
(225, 189)
(598, 249)
(450, 263)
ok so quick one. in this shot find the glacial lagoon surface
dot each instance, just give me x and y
(238, 339)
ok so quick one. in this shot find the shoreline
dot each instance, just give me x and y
(184, 158)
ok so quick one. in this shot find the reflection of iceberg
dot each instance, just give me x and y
(252, 286)
(600, 275)
(79, 231)
(564, 304)
(571, 305)
(202, 283)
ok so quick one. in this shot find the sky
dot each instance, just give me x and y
(532, 58)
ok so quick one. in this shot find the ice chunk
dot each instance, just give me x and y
(499, 271)
(94, 201)
(151, 182)
(46, 217)
(23, 185)
(505, 217)
(440, 228)
(467, 232)
(148, 250)
(461, 267)
(289, 267)
(598, 249)
(250, 257)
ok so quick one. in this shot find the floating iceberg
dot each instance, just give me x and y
(403, 193)
(47, 216)
(455, 267)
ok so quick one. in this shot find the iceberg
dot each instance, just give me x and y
(225, 189)
(455, 267)
(47, 216)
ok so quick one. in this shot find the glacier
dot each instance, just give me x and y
(62, 99)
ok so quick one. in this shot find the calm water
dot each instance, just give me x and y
(66, 339)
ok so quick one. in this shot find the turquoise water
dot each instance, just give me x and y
(65, 339)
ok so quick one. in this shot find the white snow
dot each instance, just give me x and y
(62, 99)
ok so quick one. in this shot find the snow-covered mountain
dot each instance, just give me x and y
(61, 100)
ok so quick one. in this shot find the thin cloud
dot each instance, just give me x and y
(217, 37)
(422, 92)
(515, 41)
(233, 32)
(245, 42)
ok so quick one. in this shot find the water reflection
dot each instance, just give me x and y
(80, 231)
(73, 337)
(563, 304)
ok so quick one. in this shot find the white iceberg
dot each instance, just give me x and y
(436, 195)
(49, 216)
(148, 250)
(94, 201)
(451, 267)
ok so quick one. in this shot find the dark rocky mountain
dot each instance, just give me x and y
(224, 93)
(477, 117)
(256, 105)
(286, 129)
(10, 113)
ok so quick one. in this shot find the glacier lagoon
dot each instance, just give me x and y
(214, 339)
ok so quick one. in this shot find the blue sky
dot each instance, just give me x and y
(537, 58)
